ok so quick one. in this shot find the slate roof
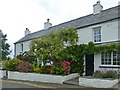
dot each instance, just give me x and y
(103, 16)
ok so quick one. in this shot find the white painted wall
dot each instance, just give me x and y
(40, 77)
(97, 83)
(2, 73)
(97, 61)
(109, 32)
(119, 29)
(26, 46)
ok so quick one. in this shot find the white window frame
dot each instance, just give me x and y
(111, 61)
(105, 59)
(97, 34)
(117, 58)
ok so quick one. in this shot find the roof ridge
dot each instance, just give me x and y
(83, 21)
(74, 19)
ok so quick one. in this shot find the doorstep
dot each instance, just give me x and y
(74, 81)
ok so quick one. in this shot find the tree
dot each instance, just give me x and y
(4, 47)
(49, 46)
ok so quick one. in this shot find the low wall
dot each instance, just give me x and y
(2, 73)
(97, 83)
(40, 77)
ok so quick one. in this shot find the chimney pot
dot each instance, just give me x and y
(119, 3)
(27, 31)
(48, 20)
(98, 2)
(47, 24)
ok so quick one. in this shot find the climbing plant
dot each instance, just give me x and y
(76, 54)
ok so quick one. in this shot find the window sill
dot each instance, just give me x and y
(109, 66)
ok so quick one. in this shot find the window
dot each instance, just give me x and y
(22, 47)
(106, 58)
(97, 34)
(116, 58)
(110, 58)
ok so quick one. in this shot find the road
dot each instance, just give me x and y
(25, 84)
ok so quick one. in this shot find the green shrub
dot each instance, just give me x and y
(97, 74)
(111, 74)
(10, 65)
(105, 74)
(47, 69)
(58, 70)
(37, 70)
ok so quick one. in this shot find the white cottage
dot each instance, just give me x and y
(101, 27)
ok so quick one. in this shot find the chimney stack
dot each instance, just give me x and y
(47, 24)
(97, 8)
(27, 31)
(119, 3)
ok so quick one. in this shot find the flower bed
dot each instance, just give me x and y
(2, 73)
(97, 83)
(40, 77)
(100, 79)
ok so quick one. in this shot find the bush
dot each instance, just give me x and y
(26, 58)
(58, 70)
(97, 74)
(62, 68)
(111, 74)
(10, 65)
(37, 70)
(47, 69)
(23, 66)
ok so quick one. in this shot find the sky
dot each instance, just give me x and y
(17, 15)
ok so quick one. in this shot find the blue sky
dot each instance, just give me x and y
(16, 15)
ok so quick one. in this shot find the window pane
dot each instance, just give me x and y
(97, 34)
(116, 59)
(106, 58)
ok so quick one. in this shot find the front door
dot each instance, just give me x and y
(89, 64)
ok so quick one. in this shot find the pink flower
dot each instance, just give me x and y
(63, 64)
(68, 73)
(97, 71)
(109, 71)
(68, 67)
(67, 62)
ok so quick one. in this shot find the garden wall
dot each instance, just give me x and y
(40, 77)
(2, 73)
(97, 83)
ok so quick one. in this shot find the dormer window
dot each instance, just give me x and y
(97, 34)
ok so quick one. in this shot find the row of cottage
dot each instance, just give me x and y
(100, 27)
